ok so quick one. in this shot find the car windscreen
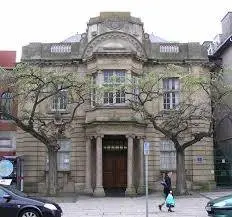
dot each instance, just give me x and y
(15, 191)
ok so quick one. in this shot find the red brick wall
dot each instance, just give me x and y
(7, 59)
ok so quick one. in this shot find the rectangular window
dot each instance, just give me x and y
(6, 104)
(171, 93)
(93, 94)
(114, 78)
(135, 91)
(60, 100)
(63, 155)
(167, 155)
(6, 143)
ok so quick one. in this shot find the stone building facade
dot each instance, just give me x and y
(105, 147)
(220, 54)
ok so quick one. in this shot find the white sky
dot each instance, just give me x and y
(25, 21)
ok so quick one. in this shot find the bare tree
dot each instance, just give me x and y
(192, 114)
(41, 94)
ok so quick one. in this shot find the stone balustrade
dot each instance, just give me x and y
(158, 51)
(61, 48)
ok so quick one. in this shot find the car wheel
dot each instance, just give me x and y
(29, 213)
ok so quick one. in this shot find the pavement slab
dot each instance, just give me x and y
(189, 206)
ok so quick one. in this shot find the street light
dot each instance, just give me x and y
(146, 149)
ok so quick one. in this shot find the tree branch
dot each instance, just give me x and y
(44, 139)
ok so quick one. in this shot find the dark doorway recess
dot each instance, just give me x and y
(115, 192)
(114, 165)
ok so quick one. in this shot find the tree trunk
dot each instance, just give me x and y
(52, 170)
(181, 186)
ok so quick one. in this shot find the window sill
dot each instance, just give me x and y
(109, 106)
(52, 112)
(64, 170)
(169, 170)
(168, 111)
(61, 170)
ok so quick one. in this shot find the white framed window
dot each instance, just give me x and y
(60, 100)
(167, 155)
(114, 78)
(135, 91)
(5, 143)
(93, 93)
(171, 93)
(63, 155)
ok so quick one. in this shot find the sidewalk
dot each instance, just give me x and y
(189, 206)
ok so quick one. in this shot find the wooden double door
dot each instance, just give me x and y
(114, 169)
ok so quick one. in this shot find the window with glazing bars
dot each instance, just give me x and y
(93, 93)
(60, 100)
(114, 78)
(171, 93)
(167, 155)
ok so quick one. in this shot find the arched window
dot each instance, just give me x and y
(6, 103)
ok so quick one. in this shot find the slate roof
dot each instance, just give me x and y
(156, 39)
(73, 38)
(227, 43)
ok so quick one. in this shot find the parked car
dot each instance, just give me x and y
(219, 207)
(14, 203)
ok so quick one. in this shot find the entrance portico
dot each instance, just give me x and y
(110, 163)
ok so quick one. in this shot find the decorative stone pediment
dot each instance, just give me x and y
(114, 43)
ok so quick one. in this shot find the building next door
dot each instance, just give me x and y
(114, 163)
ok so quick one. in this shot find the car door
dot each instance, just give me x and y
(7, 208)
(225, 208)
(228, 207)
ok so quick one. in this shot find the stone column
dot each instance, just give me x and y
(130, 190)
(88, 167)
(99, 191)
(141, 187)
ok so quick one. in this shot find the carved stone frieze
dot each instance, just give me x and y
(132, 43)
(114, 23)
